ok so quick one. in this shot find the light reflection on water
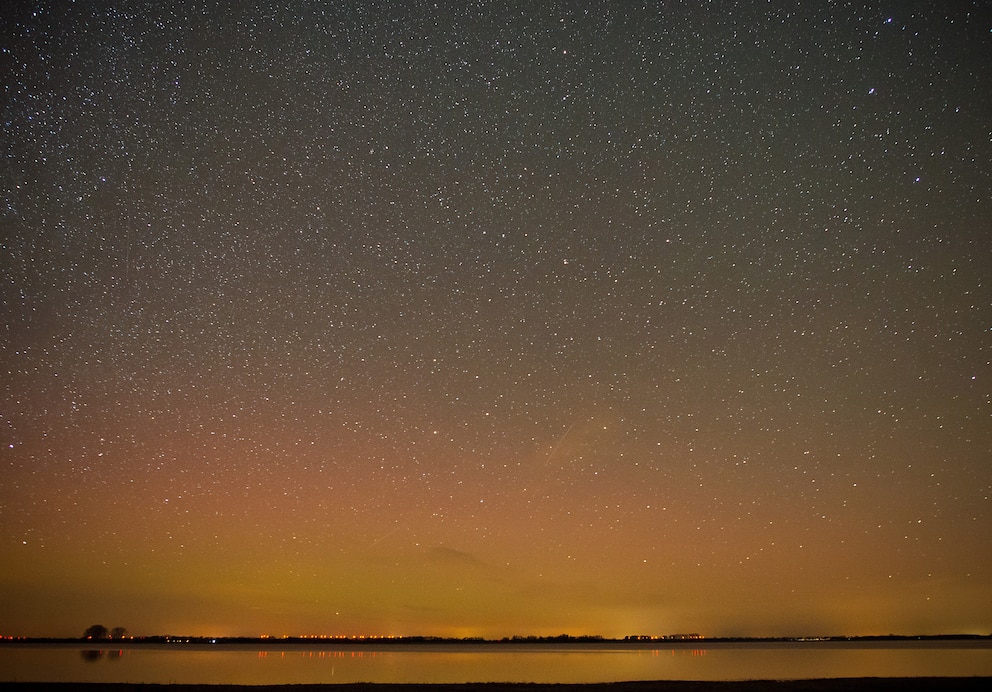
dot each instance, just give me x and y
(301, 664)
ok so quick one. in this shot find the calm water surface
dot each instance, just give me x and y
(300, 664)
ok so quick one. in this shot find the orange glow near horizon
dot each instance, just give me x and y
(491, 322)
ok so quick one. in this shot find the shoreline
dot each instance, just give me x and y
(910, 684)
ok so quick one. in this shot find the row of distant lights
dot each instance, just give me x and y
(331, 636)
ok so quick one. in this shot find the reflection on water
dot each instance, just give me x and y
(432, 663)
(91, 655)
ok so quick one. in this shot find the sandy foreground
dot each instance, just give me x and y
(821, 685)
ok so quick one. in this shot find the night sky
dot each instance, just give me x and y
(496, 318)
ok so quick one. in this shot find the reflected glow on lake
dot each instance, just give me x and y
(458, 663)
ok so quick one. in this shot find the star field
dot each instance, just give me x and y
(496, 318)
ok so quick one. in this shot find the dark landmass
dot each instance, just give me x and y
(818, 685)
(559, 639)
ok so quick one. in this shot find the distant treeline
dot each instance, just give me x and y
(557, 639)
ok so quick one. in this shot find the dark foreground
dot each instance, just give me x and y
(824, 685)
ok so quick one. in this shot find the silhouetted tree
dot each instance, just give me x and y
(118, 633)
(96, 632)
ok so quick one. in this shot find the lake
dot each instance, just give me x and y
(457, 663)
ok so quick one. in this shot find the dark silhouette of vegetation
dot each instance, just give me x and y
(96, 632)
(101, 632)
(561, 638)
